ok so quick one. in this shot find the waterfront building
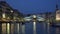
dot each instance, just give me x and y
(57, 13)
(17, 15)
(57, 17)
(6, 11)
(7, 16)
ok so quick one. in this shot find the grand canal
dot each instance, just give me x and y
(29, 28)
(13, 19)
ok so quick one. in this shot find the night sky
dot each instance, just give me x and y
(33, 6)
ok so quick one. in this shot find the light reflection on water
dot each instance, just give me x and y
(18, 28)
(23, 29)
(8, 28)
(29, 28)
(34, 27)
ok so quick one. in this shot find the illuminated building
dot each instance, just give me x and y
(57, 13)
(7, 15)
(57, 17)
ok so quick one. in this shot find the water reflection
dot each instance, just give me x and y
(23, 29)
(57, 30)
(34, 27)
(4, 28)
(12, 28)
(18, 28)
(48, 28)
(29, 28)
(8, 28)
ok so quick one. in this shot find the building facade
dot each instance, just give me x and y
(7, 14)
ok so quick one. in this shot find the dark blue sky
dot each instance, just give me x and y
(33, 6)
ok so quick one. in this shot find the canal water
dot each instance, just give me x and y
(29, 28)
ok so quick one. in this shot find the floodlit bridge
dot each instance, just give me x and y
(34, 18)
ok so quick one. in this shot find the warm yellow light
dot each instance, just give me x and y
(57, 17)
(3, 28)
(3, 15)
(8, 28)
